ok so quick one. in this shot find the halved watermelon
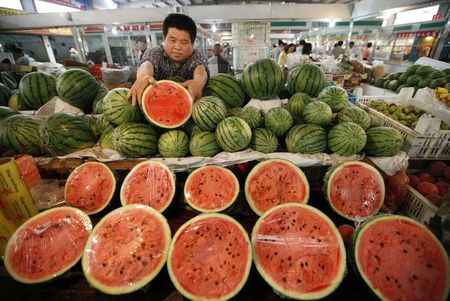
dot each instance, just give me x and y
(400, 259)
(150, 183)
(167, 104)
(299, 251)
(355, 190)
(47, 245)
(126, 249)
(209, 257)
(273, 182)
(211, 189)
(90, 187)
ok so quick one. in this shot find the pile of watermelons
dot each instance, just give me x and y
(417, 76)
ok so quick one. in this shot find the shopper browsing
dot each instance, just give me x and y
(177, 57)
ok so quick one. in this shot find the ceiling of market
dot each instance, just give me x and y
(167, 3)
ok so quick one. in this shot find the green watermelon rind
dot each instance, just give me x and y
(84, 218)
(313, 296)
(136, 167)
(203, 210)
(338, 167)
(255, 169)
(127, 287)
(111, 194)
(181, 88)
(175, 238)
(354, 259)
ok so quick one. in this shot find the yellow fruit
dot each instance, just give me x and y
(441, 90)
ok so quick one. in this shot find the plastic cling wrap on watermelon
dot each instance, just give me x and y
(47, 245)
(299, 251)
(355, 190)
(209, 257)
(126, 250)
(211, 189)
(149, 183)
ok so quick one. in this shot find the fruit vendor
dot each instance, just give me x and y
(177, 57)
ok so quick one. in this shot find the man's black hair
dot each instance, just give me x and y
(340, 43)
(181, 22)
(369, 45)
(307, 49)
(302, 42)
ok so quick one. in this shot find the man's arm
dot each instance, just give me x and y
(144, 77)
(195, 86)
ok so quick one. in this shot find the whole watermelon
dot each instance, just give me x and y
(335, 97)
(19, 133)
(346, 139)
(278, 121)
(383, 142)
(227, 88)
(135, 140)
(36, 89)
(306, 78)
(263, 79)
(77, 87)
(118, 109)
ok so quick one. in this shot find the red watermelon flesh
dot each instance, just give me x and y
(149, 183)
(401, 260)
(299, 251)
(209, 257)
(355, 190)
(126, 249)
(90, 187)
(274, 182)
(47, 245)
(167, 104)
(211, 189)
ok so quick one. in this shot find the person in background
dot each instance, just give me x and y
(367, 51)
(74, 55)
(217, 64)
(283, 58)
(141, 45)
(353, 52)
(278, 50)
(338, 50)
(177, 57)
(300, 46)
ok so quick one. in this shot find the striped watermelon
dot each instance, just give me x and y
(233, 134)
(278, 121)
(317, 112)
(167, 104)
(98, 123)
(97, 105)
(204, 144)
(227, 88)
(335, 97)
(306, 78)
(118, 109)
(173, 144)
(383, 141)
(346, 139)
(20, 133)
(306, 139)
(36, 89)
(105, 140)
(356, 115)
(296, 104)
(6, 111)
(251, 115)
(263, 79)
(234, 112)
(77, 87)
(208, 111)
(15, 101)
(263, 141)
(5, 94)
(65, 133)
(135, 140)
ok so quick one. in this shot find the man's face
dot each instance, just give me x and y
(177, 44)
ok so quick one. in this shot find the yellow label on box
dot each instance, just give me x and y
(7, 229)
(16, 201)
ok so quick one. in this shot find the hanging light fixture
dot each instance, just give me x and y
(214, 28)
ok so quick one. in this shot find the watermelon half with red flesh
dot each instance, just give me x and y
(273, 182)
(209, 257)
(400, 259)
(126, 249)
(149, 183)
(167, 104)
(47, 245)
(90, 187)
(299, 251)
(211, 189)
(355, 190)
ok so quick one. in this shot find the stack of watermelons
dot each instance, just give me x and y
(416, 76)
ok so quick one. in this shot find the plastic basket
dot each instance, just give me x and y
(431, 144)
(418, 207)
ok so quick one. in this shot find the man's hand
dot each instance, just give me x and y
(195, 88)
(138, 88)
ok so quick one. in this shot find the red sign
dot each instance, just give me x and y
(123, 28)
(411, 34)
(436, 17)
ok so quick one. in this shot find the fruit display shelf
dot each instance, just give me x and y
(432, 143)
